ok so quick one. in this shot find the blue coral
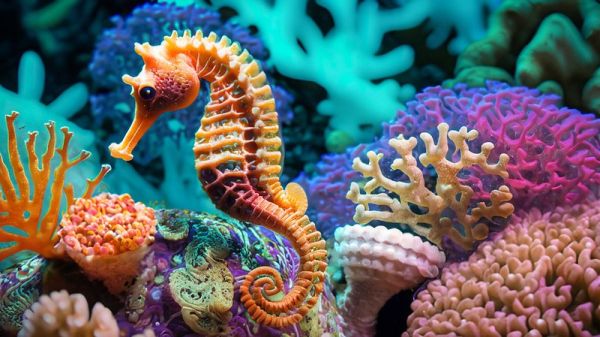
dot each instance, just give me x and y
(114, 57)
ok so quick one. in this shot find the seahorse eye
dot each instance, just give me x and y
(147, 93)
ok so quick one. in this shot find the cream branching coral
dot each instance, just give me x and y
(108, 235)
(378, 263)
(450, 193)
(25, 209)
(60, 314)
(538, 277)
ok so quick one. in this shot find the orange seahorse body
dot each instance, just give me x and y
(238, 157)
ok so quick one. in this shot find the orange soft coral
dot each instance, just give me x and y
(25, 209)
(107, 236)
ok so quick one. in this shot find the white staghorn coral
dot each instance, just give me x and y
(60, 315)
(379, 262)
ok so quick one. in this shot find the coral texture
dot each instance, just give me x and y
(20, 287)
(60, 314)
(539, 277)
(553, 45)
(35, 113)
(378, 263)
(346, 60)
(555, 152)
(22, 201)
(107, 236)
(238, 156)
(397, 202)
(191, 278)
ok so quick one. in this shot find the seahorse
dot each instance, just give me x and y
(238, 157)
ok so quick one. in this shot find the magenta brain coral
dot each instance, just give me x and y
(554, 151)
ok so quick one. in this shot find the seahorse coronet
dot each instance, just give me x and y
(238, 157)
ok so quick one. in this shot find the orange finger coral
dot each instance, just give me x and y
(540, 276)
(108, 235)
(23, 204)
(450, 193)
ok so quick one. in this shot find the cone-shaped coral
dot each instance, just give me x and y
(107, 236)
(378, 263)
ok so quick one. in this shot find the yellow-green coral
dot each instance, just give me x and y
(449, 192)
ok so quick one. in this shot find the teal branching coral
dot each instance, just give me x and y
(346, 60)
(35, 113)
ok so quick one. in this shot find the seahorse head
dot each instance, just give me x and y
(167, 82)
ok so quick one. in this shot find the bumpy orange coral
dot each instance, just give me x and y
(24, 209)
(238, 157)
(107, 235)
(449, 192)
(108, 224)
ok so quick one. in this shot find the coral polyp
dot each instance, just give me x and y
(107, 236)
(107, 224)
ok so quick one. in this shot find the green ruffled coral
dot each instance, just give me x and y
(204, 288)
(550, 44)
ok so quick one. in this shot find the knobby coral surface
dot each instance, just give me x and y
(26, 223)
(378, 263)
(555, 152)
(190, 280)
(107, 236)
(553, 45)
(20, 287)
(60, 314)
(399, 198)
(539, 277)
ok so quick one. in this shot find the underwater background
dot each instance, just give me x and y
(493, 233)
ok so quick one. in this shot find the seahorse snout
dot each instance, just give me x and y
(140, 125)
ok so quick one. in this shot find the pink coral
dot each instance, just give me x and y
(60, 314)
(555, 152)
(538, 277)
(107, 236)
(379, 262)
(108, 224)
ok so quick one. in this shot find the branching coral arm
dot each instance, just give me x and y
(450, 193)
(24, 210)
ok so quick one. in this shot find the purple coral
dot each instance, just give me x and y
(555, 152)
(114, 57)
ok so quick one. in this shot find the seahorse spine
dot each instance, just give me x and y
(238, 158)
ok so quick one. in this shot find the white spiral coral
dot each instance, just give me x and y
(60, 314)
(378, 263)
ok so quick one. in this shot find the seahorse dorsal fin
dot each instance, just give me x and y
(297, 197)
